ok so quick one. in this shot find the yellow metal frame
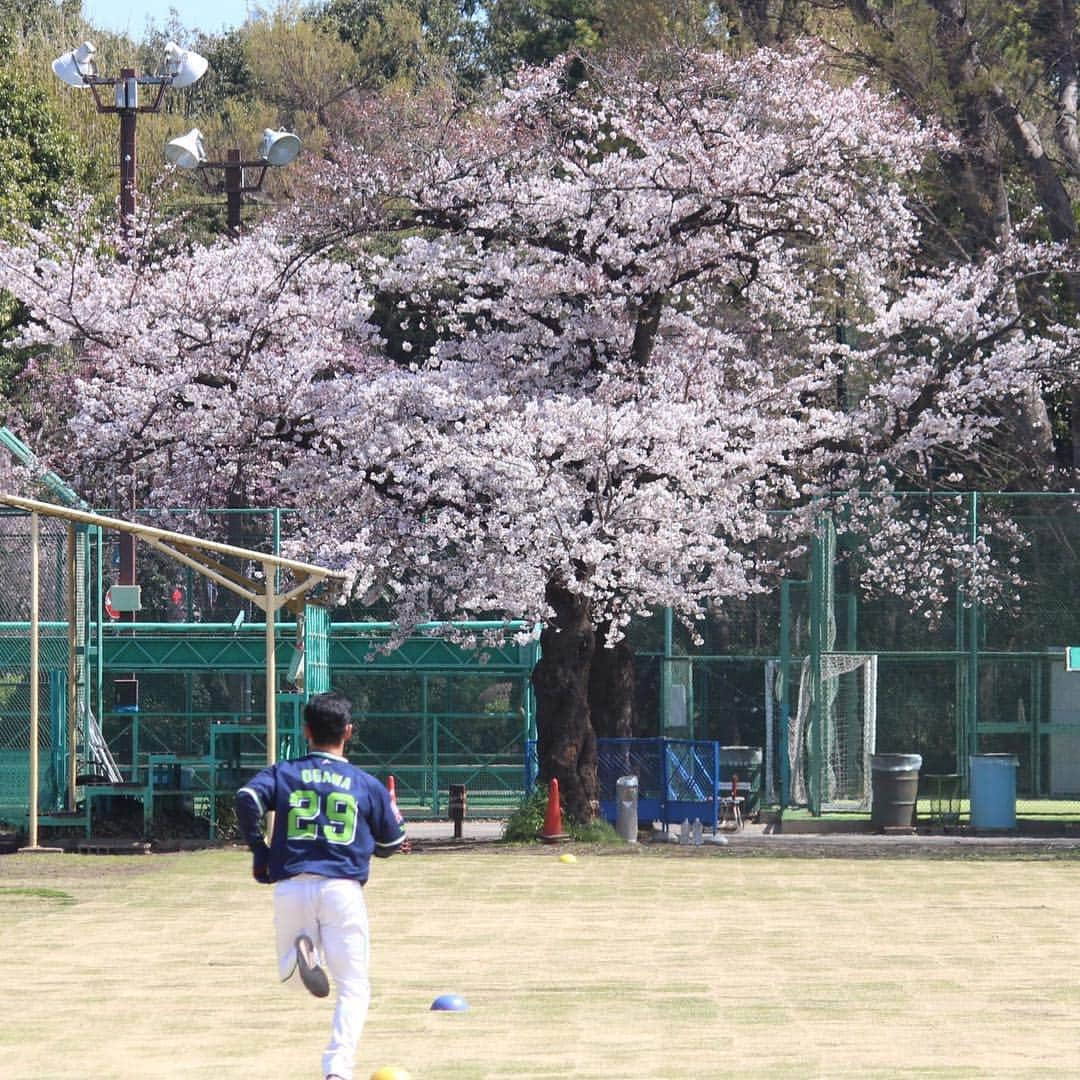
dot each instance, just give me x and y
(202, 556)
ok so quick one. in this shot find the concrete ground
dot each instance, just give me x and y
(762, 839)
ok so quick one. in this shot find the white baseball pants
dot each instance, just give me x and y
(332, 912)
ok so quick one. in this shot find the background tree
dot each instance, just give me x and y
(1002, 77)
(38, 160)
(406, 40)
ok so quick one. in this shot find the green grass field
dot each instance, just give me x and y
(1059, 810)
(631, 963)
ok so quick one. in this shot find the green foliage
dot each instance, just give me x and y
(536, 31)
(594, 832)
(300, 68)
(527, 821)
(38, 158)
(404, 40)
(37, 154)
(528, 818)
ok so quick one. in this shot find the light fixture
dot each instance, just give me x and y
(278, 147)
(185, 67)
(73, 65)
(240, 177)
(77, 68)
(187, 151)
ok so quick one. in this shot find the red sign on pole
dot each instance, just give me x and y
(109, 609)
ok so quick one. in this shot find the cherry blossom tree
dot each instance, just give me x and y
(646, 307)
(176, 375)
(562, 357)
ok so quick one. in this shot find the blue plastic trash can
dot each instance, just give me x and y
(993, 791)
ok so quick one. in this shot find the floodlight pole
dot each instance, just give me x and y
(236, 182)
(126, 105)
(128, 165)
(234, 189)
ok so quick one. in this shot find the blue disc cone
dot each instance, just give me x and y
(449, 1003)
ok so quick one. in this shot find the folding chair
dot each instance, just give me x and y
(731, 806)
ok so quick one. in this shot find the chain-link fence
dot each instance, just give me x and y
(15, 672)
(973, 679)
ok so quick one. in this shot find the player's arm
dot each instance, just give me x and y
(385, 848)
(387, 826)
(253, 801)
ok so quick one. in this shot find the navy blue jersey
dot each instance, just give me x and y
(329, 817)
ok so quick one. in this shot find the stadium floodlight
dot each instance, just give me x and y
(74, 65)
(77, 68)
(278, 147)
(183, 66)
(186, 152)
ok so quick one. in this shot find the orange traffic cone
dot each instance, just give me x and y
(552, 832)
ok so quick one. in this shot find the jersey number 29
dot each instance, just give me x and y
(306, 808)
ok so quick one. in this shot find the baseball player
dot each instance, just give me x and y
(329, 819)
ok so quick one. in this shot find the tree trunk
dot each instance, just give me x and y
(612, 690)
(566, 742)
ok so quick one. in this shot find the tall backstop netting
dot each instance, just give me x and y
(15, 679)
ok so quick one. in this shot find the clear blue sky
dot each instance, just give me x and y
(122, 16)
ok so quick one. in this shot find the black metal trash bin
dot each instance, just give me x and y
(894, 789)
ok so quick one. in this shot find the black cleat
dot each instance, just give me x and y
(311, 974)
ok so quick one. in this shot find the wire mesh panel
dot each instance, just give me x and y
(917, 710)
(677, 778)
(432, 729)
(1043, 608)
(729, 701)
(15, 563)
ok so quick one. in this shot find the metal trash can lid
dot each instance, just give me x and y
(626, 781)
(996, 759)
(896, 762)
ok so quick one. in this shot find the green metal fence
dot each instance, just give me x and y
(976, 680)
(431, 729)
(15, 552)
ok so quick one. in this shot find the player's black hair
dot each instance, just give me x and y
(327, 716)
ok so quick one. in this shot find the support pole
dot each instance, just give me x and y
(815, 758)
(785, 693)
(35, 664)
(73, 669)
(665, 672)
(234, 187)
(127, 149)
(972, 711)
(271, 664)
